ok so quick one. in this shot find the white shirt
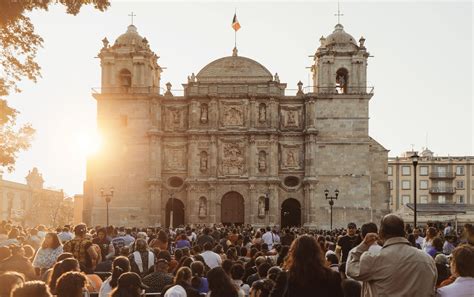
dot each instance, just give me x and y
(212, 259)
(105, 289)
(176, 291)
(420, 240)
(268, 238)
(461, 287)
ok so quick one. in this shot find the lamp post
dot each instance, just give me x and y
(171, 210)
(108, 197)
(414, 159)
(331, 200)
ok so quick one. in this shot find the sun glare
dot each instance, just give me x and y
(89, 144)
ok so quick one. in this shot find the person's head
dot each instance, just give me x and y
(416, 233)
(208, 246)
(183, 275)
(129, 285)
(368, 228)
(32, 288)
(14, 233)
(262, 269)
(261, 288)
(10, 280)
(351, 288)
(197, 270)
(391, 226)
(431, 233)
(66, 265)
(71, 284)
(462, 261)
(101, 233)
(141, 245)
(227, 265)
(29, 251)
(80, 230)
(351, 229)
(305, 261)
(51, 240)
(411, 239)
(162, 236)
(120, 265)
(17, 251)
(4, 253)
(162, 265)
(468, 233)
(273, 273)
(237, 271)
(332, 258)
(164, 255)
(220, 283)
(438, 244)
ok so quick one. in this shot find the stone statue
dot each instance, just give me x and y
(105, 42)
(176, 116)
(291, 159)
(193, 77)
(277, 78)
(291, 120)
(261, 207)
(203, 161)
(262, 113)
(204, 113)
(232, 161)
(262, 161)
(202, 207)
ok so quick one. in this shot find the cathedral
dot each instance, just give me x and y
(235, 147)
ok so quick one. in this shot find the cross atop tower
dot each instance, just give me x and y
(338, 14)
(132, 15)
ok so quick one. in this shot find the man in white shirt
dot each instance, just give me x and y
(268, 238)
(212, 259)
(462, 267)
(418, 239)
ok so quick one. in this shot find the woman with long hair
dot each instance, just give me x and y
(181, 285)
(160, 242)
(306, 272)
(220, 284)
(199, 282)
(120, 265)
(48, 253)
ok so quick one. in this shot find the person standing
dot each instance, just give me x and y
(82, 249)
(211, 259)
(398, 270)
(269, 238)
(48, 253)
(347, 242)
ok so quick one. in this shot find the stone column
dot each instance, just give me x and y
(213, 205)
(193, 157)
(274, 114)
(213, 114)
(252, 155)
(213, 157)
(155, 156)
(273, 159)
(155, 211)
(253, 209)
(274, 205)
(253, 113)
(190, 205)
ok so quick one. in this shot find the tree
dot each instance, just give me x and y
(18, 48)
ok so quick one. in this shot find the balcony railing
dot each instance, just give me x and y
(442, 174)
(442, 190)
(329, 90)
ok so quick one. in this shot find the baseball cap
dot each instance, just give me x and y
(351, 225)
(128, 279)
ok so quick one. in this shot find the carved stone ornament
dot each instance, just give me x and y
(204, 113)
(233, 115)
(262, 161)
(202, 212)
(175, 158)
(262, 113)
(261, 207)
(203, 161)
(232, 159)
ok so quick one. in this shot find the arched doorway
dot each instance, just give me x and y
(178, 212)
(290, 213)
(232, 209)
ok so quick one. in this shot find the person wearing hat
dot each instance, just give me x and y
(82, 249)
(347, 242)
(129, 285)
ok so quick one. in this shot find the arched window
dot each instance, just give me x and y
(342, 79)
(125, 78)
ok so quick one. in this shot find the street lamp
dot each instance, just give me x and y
(108, 197)
(414, 159)
(171, 210)
(331, 202)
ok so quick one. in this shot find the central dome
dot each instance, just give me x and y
(234, 69)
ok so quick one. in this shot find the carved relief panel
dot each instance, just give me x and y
(291, 157)
(291, 117)
(175, 118)
(232, 114)
(175, 157)
(232, 157)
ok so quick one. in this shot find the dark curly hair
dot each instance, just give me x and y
(71, 284)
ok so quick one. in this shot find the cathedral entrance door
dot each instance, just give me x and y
(232, 209)
(290, 213)
(178, 212)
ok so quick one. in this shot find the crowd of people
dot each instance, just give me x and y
(389, 259)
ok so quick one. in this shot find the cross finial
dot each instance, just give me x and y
(132, 15)
(338, 14)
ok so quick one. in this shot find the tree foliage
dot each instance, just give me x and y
(19, 45)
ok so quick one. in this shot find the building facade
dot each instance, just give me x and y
(31, 204)
(444, 183)
(214, 153)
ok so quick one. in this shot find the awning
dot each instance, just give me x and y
(441, 208)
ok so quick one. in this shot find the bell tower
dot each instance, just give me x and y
(340, 64)
(129, 65)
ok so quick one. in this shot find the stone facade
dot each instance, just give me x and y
(214, 153)
(31, 204)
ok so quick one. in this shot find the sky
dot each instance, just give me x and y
(421, 67)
